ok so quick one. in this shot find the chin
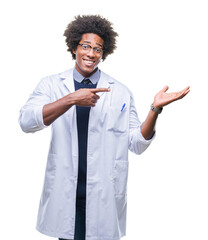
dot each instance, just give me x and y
(89, 71)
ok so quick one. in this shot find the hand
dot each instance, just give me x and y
(86, 97)
(162, 98)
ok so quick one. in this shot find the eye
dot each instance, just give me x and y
(85, 46)
(98, 50)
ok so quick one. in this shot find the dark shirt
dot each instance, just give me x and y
(82, 130)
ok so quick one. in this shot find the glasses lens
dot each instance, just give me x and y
(85, 47)
(98, 50)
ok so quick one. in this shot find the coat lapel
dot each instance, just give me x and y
(97, 113)
(68, 80)
(104, 82)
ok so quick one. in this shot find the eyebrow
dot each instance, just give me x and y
(90, 42)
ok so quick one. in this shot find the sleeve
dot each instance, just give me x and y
(31, 116)
(137, 143)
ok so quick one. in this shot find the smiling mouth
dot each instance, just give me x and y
(89, 62)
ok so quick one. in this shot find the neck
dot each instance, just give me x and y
(85, 74)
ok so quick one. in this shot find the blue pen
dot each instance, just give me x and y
(123, 107)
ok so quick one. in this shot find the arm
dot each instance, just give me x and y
(81, 97)
(39, 112)
(137, 143)
(161, 99)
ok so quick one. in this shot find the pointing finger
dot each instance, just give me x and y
(96, 90)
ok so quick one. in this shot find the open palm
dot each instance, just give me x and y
(162, 98)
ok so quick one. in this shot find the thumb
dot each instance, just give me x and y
(165, 89)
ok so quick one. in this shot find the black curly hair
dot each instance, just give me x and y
(90, 24)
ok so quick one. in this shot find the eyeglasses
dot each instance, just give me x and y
(86, 48)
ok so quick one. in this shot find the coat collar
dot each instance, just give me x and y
(105, 80)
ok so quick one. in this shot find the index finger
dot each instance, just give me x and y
(96, 90)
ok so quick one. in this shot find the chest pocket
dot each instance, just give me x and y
(117, 119)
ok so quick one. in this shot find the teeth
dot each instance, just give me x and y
(88, 61)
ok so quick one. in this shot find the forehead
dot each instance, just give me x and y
(92, 38)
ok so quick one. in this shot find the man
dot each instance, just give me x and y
(94, 123)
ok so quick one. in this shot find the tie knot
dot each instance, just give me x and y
(86, 81)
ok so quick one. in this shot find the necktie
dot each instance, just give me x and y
(86, 81)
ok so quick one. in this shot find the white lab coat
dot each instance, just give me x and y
(113, 129)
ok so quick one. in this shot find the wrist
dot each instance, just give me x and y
(156, 108)
(157, 105)
(69, 100)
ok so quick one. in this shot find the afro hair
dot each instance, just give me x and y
(90, 24)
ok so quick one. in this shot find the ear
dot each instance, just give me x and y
(74, 51)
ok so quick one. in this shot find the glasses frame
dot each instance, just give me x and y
(89, 47)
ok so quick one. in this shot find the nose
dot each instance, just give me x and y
(91, 53)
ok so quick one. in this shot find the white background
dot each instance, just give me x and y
(160, 43)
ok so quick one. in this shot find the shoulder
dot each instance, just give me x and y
(58, 76)
(55, 80)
